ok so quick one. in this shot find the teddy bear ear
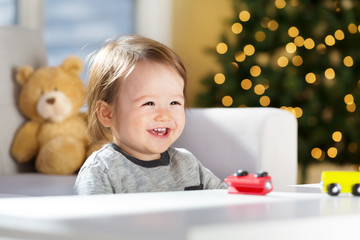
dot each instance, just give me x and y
(72, 65)
(23, 74)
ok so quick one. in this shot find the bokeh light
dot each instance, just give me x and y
(249, 50)
(349, 99)
(339, 35)
(348, 61)
(240, 56)
(273, 25)
(221, 48)
(321, 48)
(293, 32)
(282, 61)
(310, 78)
(299, 41)
(280, 4)
(264, 22)
(236, 28)
(317, 153)
(244, 16)
(291, 47)
(332, 152)
(330, 73)
(337, 136)
(352, 28)
(297, 60)
(219, 78)
(309, 43)
(255, 71)
(260, 36)
(264, 101)
(227, 101)
(246, 84)
(259, 89)
(330, 40)
(351, 107)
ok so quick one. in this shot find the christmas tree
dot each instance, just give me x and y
(301, 56)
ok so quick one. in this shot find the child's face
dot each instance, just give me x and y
(150, 112)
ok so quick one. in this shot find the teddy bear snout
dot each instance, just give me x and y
(50, 100)
(54, 106)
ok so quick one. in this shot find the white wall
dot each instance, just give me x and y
(153, 19)
(31, 13)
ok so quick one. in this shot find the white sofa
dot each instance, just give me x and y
(224, 140)
(253, 139)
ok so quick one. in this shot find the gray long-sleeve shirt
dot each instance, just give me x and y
(110, 170)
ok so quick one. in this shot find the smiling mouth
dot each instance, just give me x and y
(160, 131)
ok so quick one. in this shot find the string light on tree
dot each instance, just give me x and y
(352, 28)
(348, 61)
(246, 84)
(309, 43)
(273, 25)
(332, 152)
(297, 61)
(240, 56)
(264, 101)
(221, 48)
(280, 4)
(321, 48)
(339, 35)
(291, 47)
(310, 78)
(330, 73)
(255, 71)
(282, 61)
(293, 32)
(330, 40)
(244, 16)
(259, 89)
(227, 101)
(249, 50)
(260, 36)
(337, 136)
(299, 41)
(237, 28)
(219, 78)
(317, 153)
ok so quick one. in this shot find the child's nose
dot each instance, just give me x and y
(162, 115)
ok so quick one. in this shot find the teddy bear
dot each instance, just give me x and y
(55, 132)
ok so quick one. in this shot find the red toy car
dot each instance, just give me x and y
(254, 184)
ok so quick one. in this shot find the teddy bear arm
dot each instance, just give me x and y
(25, 145)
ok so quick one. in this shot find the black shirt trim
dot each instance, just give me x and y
(191, 188)
(163, 161)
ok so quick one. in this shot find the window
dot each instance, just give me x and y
(80, 27)
(8, 15)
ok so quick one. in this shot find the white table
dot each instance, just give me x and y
(193, 215)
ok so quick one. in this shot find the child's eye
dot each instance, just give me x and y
(149, 104)
(175, 103)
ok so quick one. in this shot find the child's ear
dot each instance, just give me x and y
(104, 113)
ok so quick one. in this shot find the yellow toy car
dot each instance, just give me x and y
(335, 182)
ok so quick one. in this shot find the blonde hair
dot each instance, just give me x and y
(113, 63)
